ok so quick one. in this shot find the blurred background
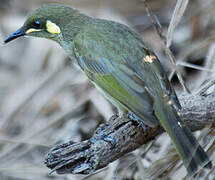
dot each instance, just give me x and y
(45, 99)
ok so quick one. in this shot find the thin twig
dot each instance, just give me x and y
(159, 30)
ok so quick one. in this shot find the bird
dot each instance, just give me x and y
(122, 67)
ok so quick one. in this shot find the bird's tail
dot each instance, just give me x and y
(191, 153)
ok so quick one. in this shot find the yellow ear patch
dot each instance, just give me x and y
(31, 30)
(52, 27)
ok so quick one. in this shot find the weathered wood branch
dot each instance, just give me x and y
(88, 156)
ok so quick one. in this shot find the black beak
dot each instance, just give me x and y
(14, 35)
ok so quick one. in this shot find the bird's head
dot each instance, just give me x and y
(52, 22)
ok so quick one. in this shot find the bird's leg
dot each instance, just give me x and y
(102, 134)
(139, 121)
(124, 112)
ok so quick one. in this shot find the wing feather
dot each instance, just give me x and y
(123, 85)
(122, 68)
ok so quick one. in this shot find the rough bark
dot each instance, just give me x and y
(88, 156)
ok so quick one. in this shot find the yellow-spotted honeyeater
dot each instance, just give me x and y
(122, 67)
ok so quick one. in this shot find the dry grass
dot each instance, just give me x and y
(45, 99)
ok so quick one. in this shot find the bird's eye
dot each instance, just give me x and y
(36, 24)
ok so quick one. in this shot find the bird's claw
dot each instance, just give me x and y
(102, 135)
(134, 118)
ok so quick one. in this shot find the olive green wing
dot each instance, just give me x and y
(149, 70)
(123, 85)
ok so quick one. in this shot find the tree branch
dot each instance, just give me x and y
(88, 156)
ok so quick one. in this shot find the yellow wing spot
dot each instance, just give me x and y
(52, 27)
(180, 124)
(169, 102)
(31, 30)
(164, 95)
(149, 58)
(179, 114)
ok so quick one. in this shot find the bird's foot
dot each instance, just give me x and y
(135, 118)
(101, 134)
(109, 140)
